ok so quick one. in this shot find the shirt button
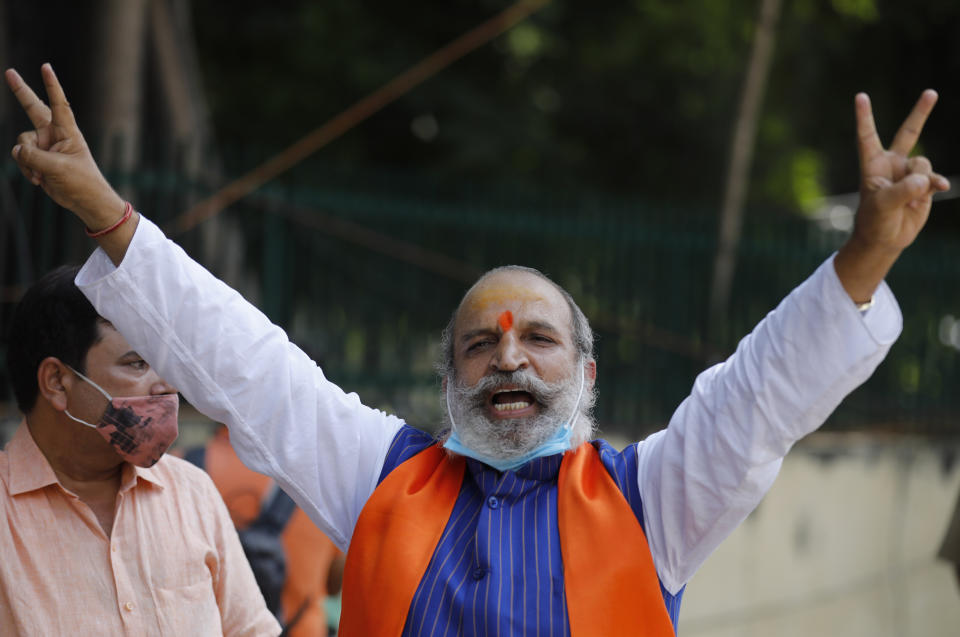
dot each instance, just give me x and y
(128, 605)
(479, 573)
(113, 548)
(492, 502)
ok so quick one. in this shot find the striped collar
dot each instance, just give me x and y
(529, 476)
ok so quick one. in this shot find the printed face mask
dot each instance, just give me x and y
(140, 428)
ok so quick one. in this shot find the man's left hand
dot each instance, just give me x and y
(896, 193)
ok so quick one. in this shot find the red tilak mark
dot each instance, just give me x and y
(506, 320)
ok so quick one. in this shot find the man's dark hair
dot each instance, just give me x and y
(53, 318)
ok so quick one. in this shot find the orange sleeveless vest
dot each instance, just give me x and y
(611, 583)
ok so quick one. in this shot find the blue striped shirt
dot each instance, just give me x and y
(497, 570)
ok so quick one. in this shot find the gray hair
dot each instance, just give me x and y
(580, 326)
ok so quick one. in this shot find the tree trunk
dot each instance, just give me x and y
(118, 83)
(738, 177)
(172, 40)
(221, 241)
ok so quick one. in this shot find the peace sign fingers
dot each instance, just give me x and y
(33, 106)
(868, 141)
(877, 162)
(896, 192)
(906, 138)
(62, 114)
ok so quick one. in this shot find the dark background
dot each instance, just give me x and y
(592, 140)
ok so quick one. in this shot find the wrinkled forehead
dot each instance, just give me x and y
(527, 297)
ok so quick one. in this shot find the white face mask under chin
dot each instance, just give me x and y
(557, 443)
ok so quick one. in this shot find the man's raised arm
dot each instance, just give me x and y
(703, 475)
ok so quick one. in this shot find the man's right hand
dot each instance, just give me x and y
(56, 157)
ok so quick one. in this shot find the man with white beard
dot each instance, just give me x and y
(513, 524)
(511, 410)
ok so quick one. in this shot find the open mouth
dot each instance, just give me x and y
(507, 401)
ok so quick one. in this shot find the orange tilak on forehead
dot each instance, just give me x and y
(488, 296)
(506, 320)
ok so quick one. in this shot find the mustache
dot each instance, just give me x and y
(520, 380)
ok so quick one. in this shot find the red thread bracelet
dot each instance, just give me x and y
(127, 212)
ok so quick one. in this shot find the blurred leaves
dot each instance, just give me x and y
(634, 96)
(807, 179)
(865, 10)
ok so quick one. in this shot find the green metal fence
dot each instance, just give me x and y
(363, 271)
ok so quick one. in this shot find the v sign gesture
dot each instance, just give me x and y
(896, 192)
(56, 157)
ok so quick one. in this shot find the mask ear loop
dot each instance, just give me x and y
(97, 387)
(576, 406)
(446, 397)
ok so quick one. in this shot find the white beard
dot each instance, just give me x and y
(506, 439)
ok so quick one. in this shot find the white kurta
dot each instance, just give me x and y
(699, 478)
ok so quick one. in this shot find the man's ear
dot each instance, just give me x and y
(590, 373)
(53, 380)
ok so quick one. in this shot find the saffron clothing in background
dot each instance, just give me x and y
(310, 554)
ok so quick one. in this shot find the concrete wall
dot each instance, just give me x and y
(844, 544)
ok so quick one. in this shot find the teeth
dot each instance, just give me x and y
(512, 406)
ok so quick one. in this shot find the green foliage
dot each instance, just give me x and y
(807, 179)
(865, 10)
(630, 96)
(526, 41)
